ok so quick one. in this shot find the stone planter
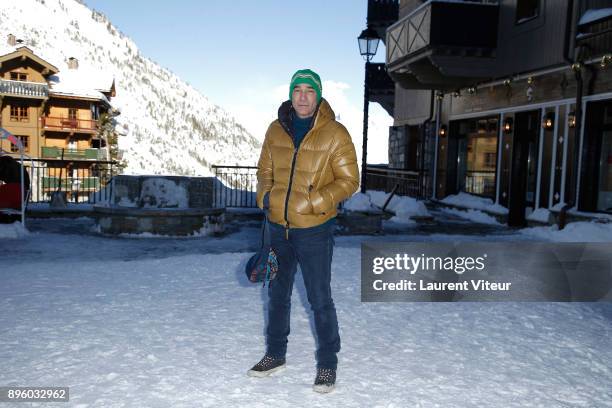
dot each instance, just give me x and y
(160, 205)
(172, 222)
(359, 223)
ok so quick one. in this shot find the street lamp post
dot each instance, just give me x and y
(368, 44)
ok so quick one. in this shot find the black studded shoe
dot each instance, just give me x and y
(326, 380)
(266, 366)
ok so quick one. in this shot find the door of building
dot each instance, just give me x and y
(523, 173)
(596, 177)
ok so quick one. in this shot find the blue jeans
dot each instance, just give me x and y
(312, 248)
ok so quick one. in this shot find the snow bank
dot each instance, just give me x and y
(540, 215)
(400, 205)
(573, 232)
(471, 201)
(473, 215)
(404, 208)
(15, 230)
(358, 202)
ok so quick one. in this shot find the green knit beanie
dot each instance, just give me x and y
(306, 76)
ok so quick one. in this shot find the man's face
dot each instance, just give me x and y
(304, 100)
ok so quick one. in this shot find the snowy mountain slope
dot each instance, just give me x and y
(166, 126)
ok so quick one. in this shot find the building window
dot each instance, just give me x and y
(24, 141)
(72, 113)
(526, 10)
(19, 76)
(19, 113)
(95, 112)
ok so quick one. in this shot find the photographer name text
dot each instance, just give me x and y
(466, 285)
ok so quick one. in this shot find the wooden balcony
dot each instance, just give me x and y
(33, 90)
(50, 152)
(79, 184)
(62, 124)
(443, 45)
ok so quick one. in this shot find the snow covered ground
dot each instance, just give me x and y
(174, 322)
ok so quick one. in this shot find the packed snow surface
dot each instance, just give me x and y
(165, 322)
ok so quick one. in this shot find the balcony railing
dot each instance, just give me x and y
(449, 27)
(24, 89)
(69, 125)
(50, 152)
(71, 183)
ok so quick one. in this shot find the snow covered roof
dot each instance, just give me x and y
(595, 15)
(82, 82)
(21, 50)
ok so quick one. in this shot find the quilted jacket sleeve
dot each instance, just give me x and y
(265, 176)
(346, 175)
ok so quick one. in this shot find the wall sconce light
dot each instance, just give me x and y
(471, 90)
(508, 122)
(439, 96)
(571, 120)
(456, 94)
(507, 82)
(482, 128)
(605, 61)
(442, 131)
(549, 121)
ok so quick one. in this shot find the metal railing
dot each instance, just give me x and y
(236, 186)
(80, 182)
(410, 183)
(21, 88)
(480, 183)
(69, 124)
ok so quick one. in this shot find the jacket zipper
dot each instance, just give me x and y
(295, 150)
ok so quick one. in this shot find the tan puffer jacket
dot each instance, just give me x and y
(306, 184)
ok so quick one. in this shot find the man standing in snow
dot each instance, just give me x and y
(307, 166)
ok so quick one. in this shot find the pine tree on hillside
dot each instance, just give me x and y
(107, 132)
